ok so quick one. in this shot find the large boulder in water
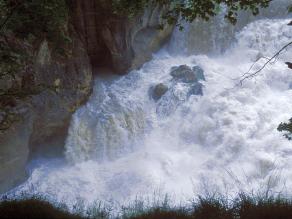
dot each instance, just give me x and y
(158, 91)
(184, 74)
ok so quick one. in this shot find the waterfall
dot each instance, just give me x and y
(127, 142)
(107, 127)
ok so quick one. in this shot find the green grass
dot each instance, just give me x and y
(243, 207)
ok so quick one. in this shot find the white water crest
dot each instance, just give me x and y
(122, 144)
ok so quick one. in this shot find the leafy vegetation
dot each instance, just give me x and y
(30, 21)
(192, 9)
(34, 17)
(290, 9)
(287, 128)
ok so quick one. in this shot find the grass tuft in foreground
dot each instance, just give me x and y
(243, 207)
(33, 208)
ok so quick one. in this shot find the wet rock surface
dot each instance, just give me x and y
(186, 74)
(184, 84)
(118, 42)
(183, 73)
(196, 89)
(199, 72)
(158, 91)
(43, 119)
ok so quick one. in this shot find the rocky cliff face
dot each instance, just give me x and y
(44, 117)
(99, 39)
(119, 42)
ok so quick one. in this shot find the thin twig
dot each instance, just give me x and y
(248, 75)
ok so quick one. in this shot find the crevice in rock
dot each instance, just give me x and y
(100, 57)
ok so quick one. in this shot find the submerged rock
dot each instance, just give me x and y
(199, 72)
(196, 89)
(158, 91)
(184, 74)
(290, 86)
(192, 76)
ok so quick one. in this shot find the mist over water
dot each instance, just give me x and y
(122, 144)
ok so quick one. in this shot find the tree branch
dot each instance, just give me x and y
(248, 75)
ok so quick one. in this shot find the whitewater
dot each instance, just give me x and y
(123, 145)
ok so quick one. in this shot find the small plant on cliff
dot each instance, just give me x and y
(35, 19)
(290, 8)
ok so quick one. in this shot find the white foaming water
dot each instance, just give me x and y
(123, 144)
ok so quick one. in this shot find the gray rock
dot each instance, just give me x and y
(199, 72)
(184, 74)
(158, 91)
(14, 153)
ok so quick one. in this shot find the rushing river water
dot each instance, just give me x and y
(122, 144)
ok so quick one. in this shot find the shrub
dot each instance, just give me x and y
(243, 207)
(287, 128)
(33, 209)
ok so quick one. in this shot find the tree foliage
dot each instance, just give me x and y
(30, 21)
(287, 128)
(290, 9)
(34, 17)
(191, 9)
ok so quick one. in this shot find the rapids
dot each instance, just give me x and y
(122, 144)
